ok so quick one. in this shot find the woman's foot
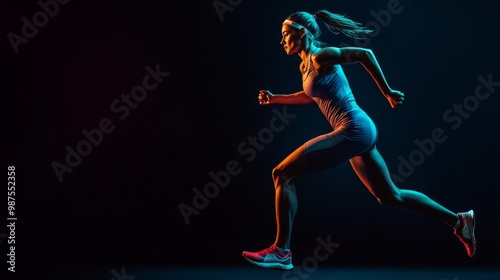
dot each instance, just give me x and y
(272, 257)
(465, 231)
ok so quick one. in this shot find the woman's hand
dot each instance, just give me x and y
(395, 97)
(265, 97)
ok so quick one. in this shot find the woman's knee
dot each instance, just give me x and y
(280, 175)
(392, 198)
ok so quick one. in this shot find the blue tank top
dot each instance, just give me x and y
(331, 92)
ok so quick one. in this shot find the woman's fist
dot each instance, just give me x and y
(395, 98)
(265, 97)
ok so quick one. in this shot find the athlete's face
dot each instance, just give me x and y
(291, 39)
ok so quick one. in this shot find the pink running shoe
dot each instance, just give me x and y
(272, 257)
(465, 232)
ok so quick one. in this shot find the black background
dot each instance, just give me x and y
(119, 206)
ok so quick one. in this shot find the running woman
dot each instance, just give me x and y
(353, 136)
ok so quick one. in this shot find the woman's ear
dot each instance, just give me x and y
(302, 32)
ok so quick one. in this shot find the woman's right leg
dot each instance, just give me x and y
(286, 202)
(320, 153)
(325, 151)
(285, 208)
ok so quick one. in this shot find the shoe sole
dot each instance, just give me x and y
(270, 265)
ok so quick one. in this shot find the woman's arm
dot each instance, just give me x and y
(331, 55)
(297, 98)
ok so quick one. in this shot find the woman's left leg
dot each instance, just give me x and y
(373, 172)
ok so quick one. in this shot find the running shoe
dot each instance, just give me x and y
(465, 232)
(272, 257)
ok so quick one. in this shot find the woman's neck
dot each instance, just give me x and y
(305, 53)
